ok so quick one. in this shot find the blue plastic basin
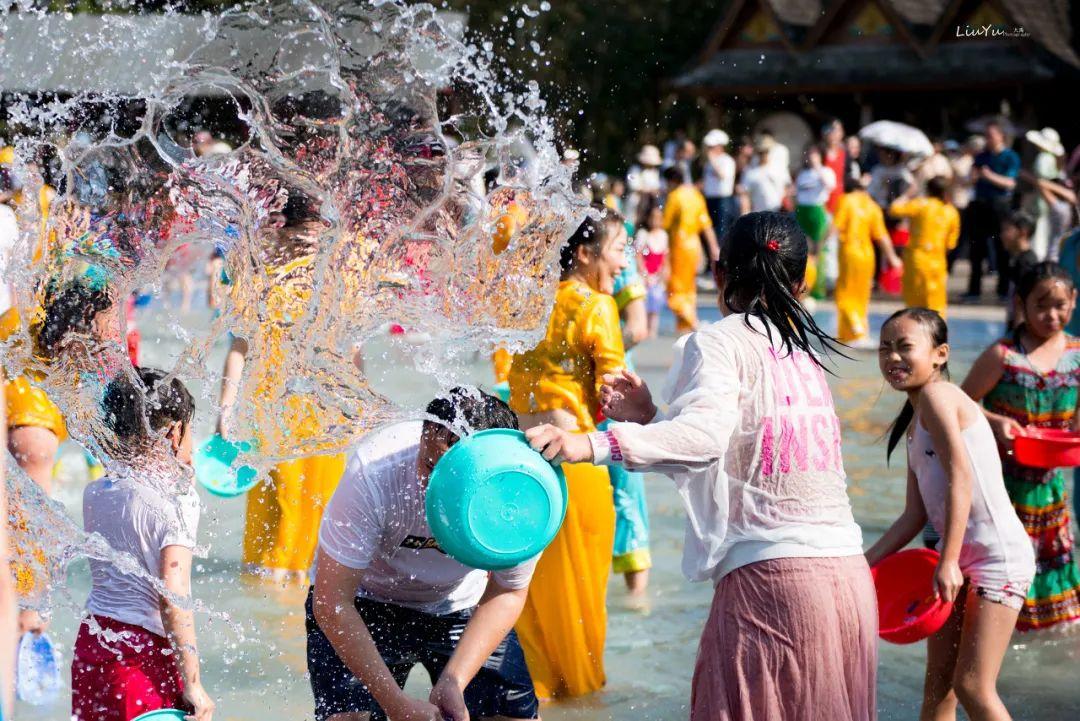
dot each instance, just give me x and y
(162, 714)
(493, 502)
(220, 469)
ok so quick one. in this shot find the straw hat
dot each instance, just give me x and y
(650, 156)
(714, 138)
(1046, 139)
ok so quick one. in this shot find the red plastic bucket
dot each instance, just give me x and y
(908, 611)
(891, 280)
(1047, 448)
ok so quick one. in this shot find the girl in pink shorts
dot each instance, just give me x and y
(954, 479)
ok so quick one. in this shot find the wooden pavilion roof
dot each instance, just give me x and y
(847, 45)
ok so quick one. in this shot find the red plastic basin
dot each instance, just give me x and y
(1047, 448)
(891, 280)
(907, 608)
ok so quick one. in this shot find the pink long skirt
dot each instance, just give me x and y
(787, 640)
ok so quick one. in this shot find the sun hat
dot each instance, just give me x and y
(570, 155)
(764, 143)
(1046, 139)
(714, 138)
(650, 155)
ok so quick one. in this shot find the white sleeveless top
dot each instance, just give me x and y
(996, 548)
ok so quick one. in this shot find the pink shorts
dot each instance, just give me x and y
(1009, 594)
(132, 676)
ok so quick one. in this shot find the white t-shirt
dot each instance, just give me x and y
(766, 185)
(718, 176)
(9, 234)
(376, 521)
(812, 187)
(140, 516)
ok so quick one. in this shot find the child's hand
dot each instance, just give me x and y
(948, 580)
(200, 703)
(625, 397)
(413, 709)
(1005, 429)
(559, 446)
(450, 700)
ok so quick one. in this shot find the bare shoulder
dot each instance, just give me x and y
(944, 400)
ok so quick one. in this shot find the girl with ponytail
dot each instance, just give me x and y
(751, 439)
(954, 478)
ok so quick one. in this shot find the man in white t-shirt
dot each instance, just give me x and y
(718, 182)
(385, 597)
(766, 182)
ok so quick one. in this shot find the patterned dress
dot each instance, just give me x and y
(1046, 400)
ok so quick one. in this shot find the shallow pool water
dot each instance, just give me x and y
(253, 649)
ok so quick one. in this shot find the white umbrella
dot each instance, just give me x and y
(897, 136)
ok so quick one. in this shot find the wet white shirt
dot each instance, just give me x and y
(9, 234)
(376, 521)
(766, 185)
(996, 550)
(139, 516)
(752, 441)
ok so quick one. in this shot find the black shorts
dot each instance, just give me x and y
(405, 638)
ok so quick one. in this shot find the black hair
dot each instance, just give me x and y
(591, 233)
(70, 310)
(937, 187)
(472, 409)
(133, 410)
(763, 263)
(851, 183)
(1046, 270)
(649, 203)
(1022, 222)
(938, 330)
(675, 175)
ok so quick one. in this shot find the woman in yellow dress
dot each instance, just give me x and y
(935, 228)
(281, 527)
(860, 225)
(564, 623)
(686, 219)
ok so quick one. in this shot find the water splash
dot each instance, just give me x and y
(354, 198)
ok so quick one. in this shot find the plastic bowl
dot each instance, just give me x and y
(216, 467)
(1047, 448)
(162, 714)
(493, 502)
(502, 390)
(908, 611)
(891, 280)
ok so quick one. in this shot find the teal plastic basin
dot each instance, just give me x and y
(493, 502)
(220, 468)
(162, 714)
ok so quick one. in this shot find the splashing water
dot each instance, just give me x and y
(354, 199)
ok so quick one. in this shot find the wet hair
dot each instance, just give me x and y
(937, 187)
(675, 175)
(70, 310)
(592, 233)
(472, 409)
(763, 262)
(1022, 222)
(135, 408)
(1046, 270)
(935, 327)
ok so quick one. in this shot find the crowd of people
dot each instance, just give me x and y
(877, 217)
(747, 431)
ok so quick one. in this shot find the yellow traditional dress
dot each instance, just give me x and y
(685, 217)
(564, 623)
(935, 228)
(281, 528)
(858, 222)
